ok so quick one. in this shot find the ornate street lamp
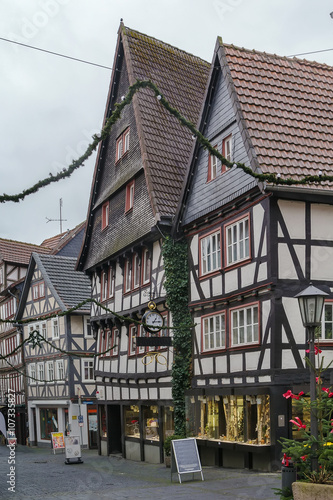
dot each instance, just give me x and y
(311, 303)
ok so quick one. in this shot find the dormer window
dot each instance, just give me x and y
(122, 144)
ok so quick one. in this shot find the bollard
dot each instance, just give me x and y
(288, 474)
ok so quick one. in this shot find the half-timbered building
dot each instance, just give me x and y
(253, 246)
(60, 366)
(135, 191)
(14, 260)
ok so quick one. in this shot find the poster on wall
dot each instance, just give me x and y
(58, 442)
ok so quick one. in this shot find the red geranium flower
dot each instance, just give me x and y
(298, 423)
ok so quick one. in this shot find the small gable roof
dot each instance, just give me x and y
(58, 242)
(72, 287)
(287, 107)
(18, 252)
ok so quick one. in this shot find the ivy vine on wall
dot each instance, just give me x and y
(176, 286)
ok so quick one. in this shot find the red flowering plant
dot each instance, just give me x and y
(301, 451)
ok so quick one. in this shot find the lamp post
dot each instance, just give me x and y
(311, 303)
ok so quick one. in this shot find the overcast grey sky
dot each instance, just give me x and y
(51, 106)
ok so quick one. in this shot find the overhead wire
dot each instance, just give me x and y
(55, 53)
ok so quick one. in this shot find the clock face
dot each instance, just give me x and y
(153, 321)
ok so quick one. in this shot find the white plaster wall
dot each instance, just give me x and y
(293, 213)
(286, 265)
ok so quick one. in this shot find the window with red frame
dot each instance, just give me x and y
(114, 342)
(122, 144)
(136, 271)
(107, 283)
(127, 275)
(38, 290)
(212, 166)
(102, 341)
(146, 260)
(129, 200)
(132, 349)
(105, 214)
(227, 150)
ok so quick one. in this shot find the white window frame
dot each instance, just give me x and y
(212, 166)
(132, 348)
(114, 341)
(136, 270)
(227, 148)
(146, 259)
(60, 369)
(326, 321)
(237, 236)
(126, 141)
(43, 329)
(119, 148)
(244, 325)
(88, 331)
(55, 328)
(50, 371)
(111, 278)
(213, 328)
(210, 253)
(40, 373)
(127, 275)
(87, 364)
(32, 373)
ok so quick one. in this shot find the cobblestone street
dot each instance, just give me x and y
(41, 475)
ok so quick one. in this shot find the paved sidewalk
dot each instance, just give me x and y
(40, 475)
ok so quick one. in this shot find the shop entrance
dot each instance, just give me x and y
(114, 429)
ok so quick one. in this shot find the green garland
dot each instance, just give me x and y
(140, 84)
(176, 286)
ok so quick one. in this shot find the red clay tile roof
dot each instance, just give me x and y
(182, 78)
(17, 252)
(288, 107)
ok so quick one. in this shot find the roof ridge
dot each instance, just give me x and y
(21, 242)
(276, 56)
(164, 43)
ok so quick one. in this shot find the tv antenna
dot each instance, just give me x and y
(57, 220)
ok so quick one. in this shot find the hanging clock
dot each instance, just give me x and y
(152, 320)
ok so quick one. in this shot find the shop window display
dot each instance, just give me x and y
(244, 419)
(168, 421)
(131, 414)
(48, 422)
(103, 422)
(150, 422)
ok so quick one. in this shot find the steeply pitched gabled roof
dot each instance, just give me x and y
(18, 252)
(164, 144)
(283, 110)
(287, 105)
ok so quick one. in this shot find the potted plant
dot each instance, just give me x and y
(309, 449)
(167, 448)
